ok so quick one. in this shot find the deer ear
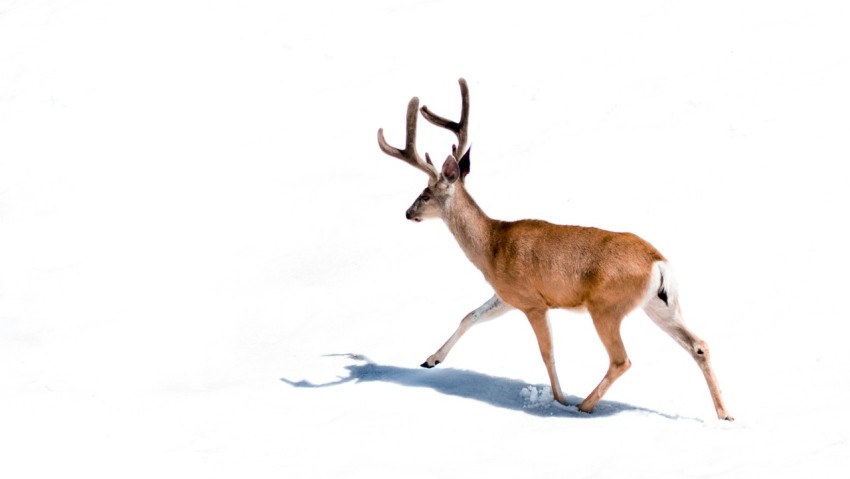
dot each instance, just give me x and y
(464, 164)
(451, 170)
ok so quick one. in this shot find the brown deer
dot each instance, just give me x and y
(534, 266)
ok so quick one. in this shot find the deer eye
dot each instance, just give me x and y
(425, 198)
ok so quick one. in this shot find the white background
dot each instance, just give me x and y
(197, 227)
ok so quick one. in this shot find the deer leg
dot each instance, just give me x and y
(608, 328)
(493, 308)
(669, 318)
(540, 324)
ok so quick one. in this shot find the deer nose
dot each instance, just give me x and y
(408, 215)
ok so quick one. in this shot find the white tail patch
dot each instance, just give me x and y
(662, 286)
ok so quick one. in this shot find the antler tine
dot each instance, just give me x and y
(460, 128)
(409, 154)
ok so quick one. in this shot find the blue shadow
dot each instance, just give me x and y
(504, 393)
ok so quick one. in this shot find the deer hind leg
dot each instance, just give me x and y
(493, 308)
(668, 316)
(608, 328)
(540, 324)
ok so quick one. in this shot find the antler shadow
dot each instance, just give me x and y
(500, 392)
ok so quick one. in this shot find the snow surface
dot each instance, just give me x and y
(205, 270)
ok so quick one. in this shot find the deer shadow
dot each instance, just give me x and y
(504, 393)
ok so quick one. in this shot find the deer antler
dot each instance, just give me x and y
(409, 154)
(459, 128)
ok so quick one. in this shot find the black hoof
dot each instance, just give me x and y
(428, 366)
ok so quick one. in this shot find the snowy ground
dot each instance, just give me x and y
(205, 270)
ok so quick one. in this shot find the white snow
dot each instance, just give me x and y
(205, 270)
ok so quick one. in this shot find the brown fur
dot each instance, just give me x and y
(537, 264)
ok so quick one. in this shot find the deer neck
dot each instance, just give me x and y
(470, 226)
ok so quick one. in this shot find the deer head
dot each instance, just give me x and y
(432, 202)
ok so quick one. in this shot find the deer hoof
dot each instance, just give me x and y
(429, 366)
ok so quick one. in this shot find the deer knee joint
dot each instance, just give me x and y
(621, 366)
(700, 351)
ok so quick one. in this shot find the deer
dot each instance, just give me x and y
(534, 266)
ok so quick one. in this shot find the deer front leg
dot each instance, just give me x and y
(540, 324)
(493, 308)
